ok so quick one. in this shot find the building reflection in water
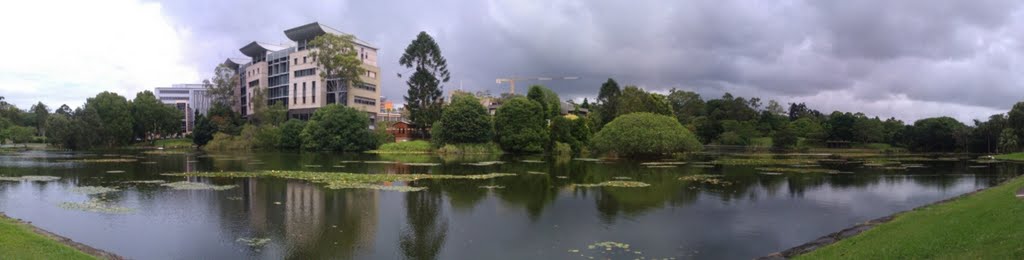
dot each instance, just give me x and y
(311, 221)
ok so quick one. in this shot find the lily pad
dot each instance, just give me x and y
(489, 163)
(115, 171)
(147, 182)
(421, 164)
(536, 173)
(253, 242)
(92, 190)
(491, 187)
(105, 160)
(186, 185)
(619, 184)
(30, 178)
(95, 205)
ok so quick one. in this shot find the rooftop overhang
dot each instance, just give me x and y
(232, 63)
(256, 49)
(312, 30)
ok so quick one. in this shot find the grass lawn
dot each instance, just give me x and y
(18, 241)
(1011, 157)
(985, 225)
(417, 146)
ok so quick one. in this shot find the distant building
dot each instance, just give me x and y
(187, 98)
(388, 112)
(401, 130)
(569, 108)
(288, 74)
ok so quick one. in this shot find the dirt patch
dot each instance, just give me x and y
(856, 229)
(67, 241)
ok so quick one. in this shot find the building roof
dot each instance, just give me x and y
(314, 29)
(255, 49)
(234, 63)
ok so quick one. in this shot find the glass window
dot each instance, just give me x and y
(303, 92)
(295, 93)
(314, 92)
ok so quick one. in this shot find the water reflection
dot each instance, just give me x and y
(536, 215)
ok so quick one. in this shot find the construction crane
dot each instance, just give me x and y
(512, 81)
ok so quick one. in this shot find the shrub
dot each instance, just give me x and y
(464, 121)
(338, 128)
(520, 126)
(484, 148)
(641, 134)
(784, 138)
(562, 149)
(418, 146)
(291, 134)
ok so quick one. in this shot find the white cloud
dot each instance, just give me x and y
(66, 51)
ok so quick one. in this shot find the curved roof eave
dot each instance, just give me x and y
(255, 49)
(314, 29)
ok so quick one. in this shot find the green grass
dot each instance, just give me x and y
(487, 148)
(1011, 157)
(18, 241)
(417, 146)
(985, 225)
(169, 143)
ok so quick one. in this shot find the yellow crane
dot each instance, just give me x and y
(512, 81)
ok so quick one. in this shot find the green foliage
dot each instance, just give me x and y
(608, 98)
(465, 120)
(807, 128)
(40, 112)
(547, 98)
(634, 99)
(784, 138)
(571, 131)
(484, 148)
(644, 134)
(338, 128)
(417, 146)
(226, 142)
(19, 134)
(224, 119)
(686, 105)
(222, 87)
(291, 132)
(151, 117)
(737, 133)
(381, 134)
(1008, 141)
(1015, 119)
(520, 126)
(265, 136)
(424, 97)
(337, 57)
(204, 130)
(59, 131)
(275, 114)
(937, 134)
(562, 149)
(114, 114)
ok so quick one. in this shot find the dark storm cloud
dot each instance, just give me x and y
(886, 55)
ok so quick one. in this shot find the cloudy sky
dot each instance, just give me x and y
(906, 59)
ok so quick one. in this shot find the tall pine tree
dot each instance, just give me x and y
(424, 97)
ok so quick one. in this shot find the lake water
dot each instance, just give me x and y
(536, 214)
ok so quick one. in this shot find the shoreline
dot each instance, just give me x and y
(854, 230)
(64, 240)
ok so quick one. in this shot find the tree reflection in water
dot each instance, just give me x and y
(425, 233)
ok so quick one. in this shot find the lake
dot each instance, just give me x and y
(691, 211)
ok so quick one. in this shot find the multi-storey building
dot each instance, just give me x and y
(288, 74)
(187, 98)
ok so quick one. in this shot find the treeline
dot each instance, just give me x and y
(106, 120)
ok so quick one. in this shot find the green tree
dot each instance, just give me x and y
(868, 130)
(202, 132)
(148, 114)
(338, 128)
(686, 105)
(224, 119)
(465, 120)
(520, 126)
(608, 98)
(114, 112)
(645, 134)
(291, 134)
(739, 132)
(1015, 119)
(20, 134)
(222, 86)
(547, 98)
(571, 130)
(634, 99)
(64, 110)
(59, 131)
(784, 138)
(937, 134)
(337, 58)
(40, 111)
(1008, 142)
(87, 118)
(424, 97)
(807, 128)
(274, 115)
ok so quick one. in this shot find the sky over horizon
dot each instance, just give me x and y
(905, 59)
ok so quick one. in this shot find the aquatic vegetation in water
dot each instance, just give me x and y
(106, 160)
(485, 163)
(622, 178)
(339, 166)
(186, 185)
(95, 205)
(379, 162)
(536, 173)
(29, 178)
(562, 177)
(706, 179)
(661, 166)
(661, 163)
(532, 161)
(147, 182)
(148, 162)
(764, 161)
(421, 164)
(163, 152)
(491, 187)
(253, 241)
(312, 166)
(234, 198)
(340, 180)
(115, 171)
(92, 190)
(587, 159)
(619, 184)
(794, 170)
(611, 250)
(977, 166)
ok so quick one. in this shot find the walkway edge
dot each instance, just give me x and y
(857, 229)
(67, 241)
